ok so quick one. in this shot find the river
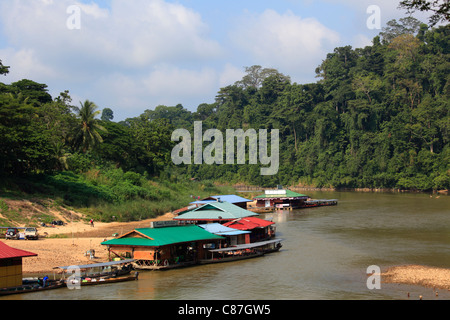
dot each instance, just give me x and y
(326, 252)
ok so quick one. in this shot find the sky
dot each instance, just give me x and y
(133, 55)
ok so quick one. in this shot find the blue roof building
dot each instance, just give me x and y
(233, 236)
(230, 198)
(215, 211)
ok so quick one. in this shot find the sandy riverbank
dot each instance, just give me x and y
(78, 238)
(418, 275)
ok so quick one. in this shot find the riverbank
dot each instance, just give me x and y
(67, 245)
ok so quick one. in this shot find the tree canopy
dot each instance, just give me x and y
(377, 117)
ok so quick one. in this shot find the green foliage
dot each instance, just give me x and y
(109, 194)
(88, 131)
(378, 117)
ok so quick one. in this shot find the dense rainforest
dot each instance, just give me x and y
(377, 117)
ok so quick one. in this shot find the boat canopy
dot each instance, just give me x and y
(247, 246)
(97, 265)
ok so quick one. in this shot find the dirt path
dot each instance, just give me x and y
(101, 229)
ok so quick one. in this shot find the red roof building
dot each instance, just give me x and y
(11, 265)
(6, 252)
(261, 229)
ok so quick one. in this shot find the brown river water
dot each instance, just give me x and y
(325, 255)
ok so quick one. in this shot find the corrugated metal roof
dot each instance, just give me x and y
(156, 237)
(97, 265)
(219, 229)
(6, 252)
(248, 223)
(289, 194)
(231, 198)
(202, 201)
(216, 211)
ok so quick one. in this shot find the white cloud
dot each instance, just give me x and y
(30, 66)
(389, 10)
(286, 42)
(146, 32)
(164, 85)
(230, 75)
(361, 41)
(129, 55)
(180, 82)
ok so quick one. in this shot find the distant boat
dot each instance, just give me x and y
(320, 203)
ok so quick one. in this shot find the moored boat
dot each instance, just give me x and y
(99, 273)
(101, 280)
(35, 285)
(230, 255)
(242, 251)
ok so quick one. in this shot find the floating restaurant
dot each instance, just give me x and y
(163, 246)
(281, 199)
(260, 229)
(238, 244)
(232, 236)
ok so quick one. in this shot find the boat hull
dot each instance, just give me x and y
(32, 287)
(231, 259)
(99, 281)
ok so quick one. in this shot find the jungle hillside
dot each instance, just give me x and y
(377, 117)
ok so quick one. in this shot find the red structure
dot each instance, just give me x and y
(260, 229)
(11, 265)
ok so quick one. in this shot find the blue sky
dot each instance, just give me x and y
(133, 55)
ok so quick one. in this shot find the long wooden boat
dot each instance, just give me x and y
(101, 280)
(231, 257)
(117, 272)
(94, 276)
(97, 270)
(260, 209)
(319, 203)
(32, 286)
(243, 251)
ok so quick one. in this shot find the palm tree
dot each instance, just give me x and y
(88, 131)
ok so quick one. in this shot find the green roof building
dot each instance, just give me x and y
(281, 198)
(163, 247)
(215, 212)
